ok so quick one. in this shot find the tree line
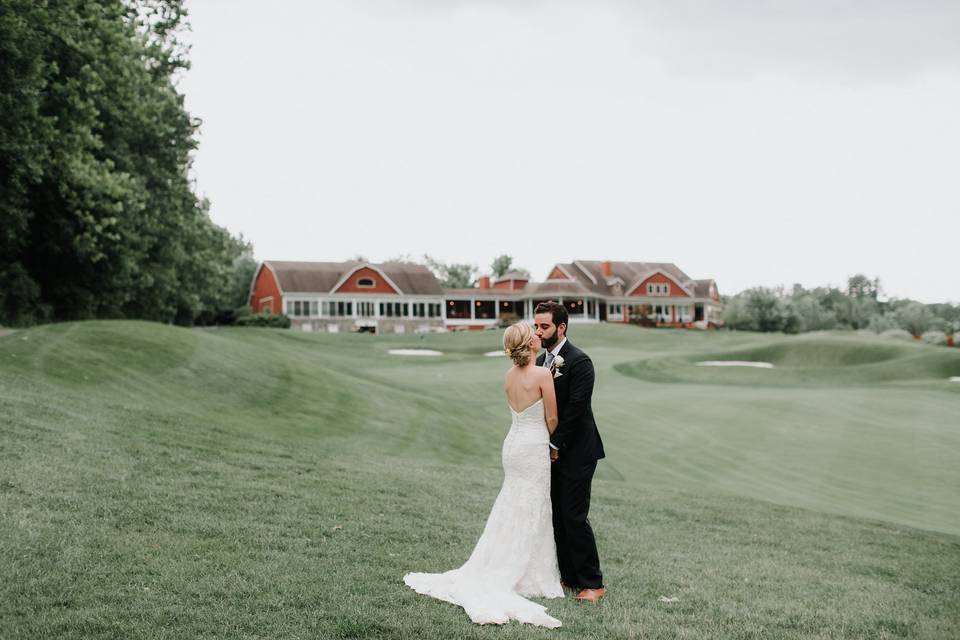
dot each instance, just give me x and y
(98, 215)
(858, 306)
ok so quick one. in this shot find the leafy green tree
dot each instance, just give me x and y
(810, 314)
(855, 312)
(241, 276)
(860, 286)
(758, 309)
(883, 322)
(460, 276)
(734, 314)
(501, 265)
(916, 318)
(765, 309)
(454, 275)
(949, 313)
(97, 214)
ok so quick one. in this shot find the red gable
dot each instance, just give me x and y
(557, 274)
(366, 280)
(265, 292)
(668, 287)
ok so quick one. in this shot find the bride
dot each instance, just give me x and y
(516, 555)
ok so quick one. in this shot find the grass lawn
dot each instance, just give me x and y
(158, 482)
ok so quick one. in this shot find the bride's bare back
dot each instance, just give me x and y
(526, 384)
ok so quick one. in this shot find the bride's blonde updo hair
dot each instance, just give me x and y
(516, 343)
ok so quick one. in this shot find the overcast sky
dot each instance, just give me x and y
(757, 143)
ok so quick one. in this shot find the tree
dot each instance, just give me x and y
(765, 308)
(454, 275)
(855, 312)
(810, 314)
(915, 318)
(97, 213)
(949, 313)
(241, 276)
(501, 265)
(460, 276)
(885, 322)
(860, 286)
(757, 309)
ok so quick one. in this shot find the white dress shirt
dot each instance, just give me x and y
(556, 349)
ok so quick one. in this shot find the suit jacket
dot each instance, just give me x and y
(576, 435)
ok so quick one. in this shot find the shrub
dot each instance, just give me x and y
(280, 321)
(221, 317)
(760, 309)
(915, 318)
(507, 319)
(885, 322)
(810, 315)
(899, 334)
(935, 337)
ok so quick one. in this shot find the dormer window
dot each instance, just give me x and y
(366, 283)
(658, 289)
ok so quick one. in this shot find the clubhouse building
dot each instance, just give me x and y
(398, 297)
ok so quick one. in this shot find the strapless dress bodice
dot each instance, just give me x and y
(530, 424)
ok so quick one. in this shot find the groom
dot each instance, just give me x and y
(575, 447)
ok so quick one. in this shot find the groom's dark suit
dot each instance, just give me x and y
(578, 441)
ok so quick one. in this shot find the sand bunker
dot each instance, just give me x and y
(414, 352)
(735, 363)
(494, 354)
(954, 378)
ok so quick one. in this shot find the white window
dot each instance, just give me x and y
(302, 308)
(394, 309)
(658, 289)
(366, 283)
(338, 308)
(662, 312)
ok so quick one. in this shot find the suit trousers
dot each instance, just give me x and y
(577, 555)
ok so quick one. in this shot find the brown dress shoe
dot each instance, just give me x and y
(591, 595)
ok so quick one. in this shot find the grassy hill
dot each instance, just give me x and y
(166, 482)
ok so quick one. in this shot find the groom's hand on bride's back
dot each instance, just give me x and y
(554, 454)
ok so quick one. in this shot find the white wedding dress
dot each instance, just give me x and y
(516, 555)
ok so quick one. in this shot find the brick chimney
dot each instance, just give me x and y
(484, 282)
(606, 269)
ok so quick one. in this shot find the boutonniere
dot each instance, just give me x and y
(555, 366)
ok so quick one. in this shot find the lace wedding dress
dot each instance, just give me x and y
(516, 555)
